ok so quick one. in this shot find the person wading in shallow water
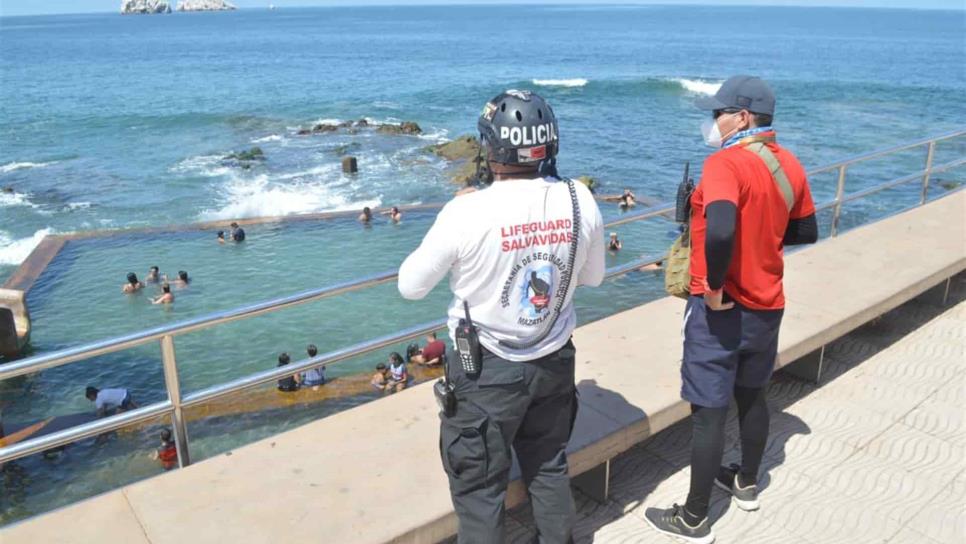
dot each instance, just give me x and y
(515, 252)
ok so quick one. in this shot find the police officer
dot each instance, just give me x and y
(753, 199)
(515, 252)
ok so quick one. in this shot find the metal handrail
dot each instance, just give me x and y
(165, 334)
(203, 396)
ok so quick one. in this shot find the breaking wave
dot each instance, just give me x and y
(14, 166)
(698, 86)
(260, 197)
(8, 200)
(13, 252)
(576, 82)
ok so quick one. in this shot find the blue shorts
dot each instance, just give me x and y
(735, 347)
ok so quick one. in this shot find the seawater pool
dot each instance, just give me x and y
(77, 299)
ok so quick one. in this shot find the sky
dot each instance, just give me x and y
(43, 7)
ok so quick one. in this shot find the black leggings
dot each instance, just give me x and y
(707, 445)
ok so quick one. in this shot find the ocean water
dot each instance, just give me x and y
(114, 122)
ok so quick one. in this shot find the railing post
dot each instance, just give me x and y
(174, 394)
(839, 194)
(925, 177)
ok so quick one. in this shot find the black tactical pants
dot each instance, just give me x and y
(530, 407)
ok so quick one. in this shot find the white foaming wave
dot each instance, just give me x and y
(266, 139)
(576, 82)
(205, 165)
(437, 136)
(13, 166)
(697, 86)
(78, 205)
(310, 173)
(259, 197)
(9, 200)
(13, 252)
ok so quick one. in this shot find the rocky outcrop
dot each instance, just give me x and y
(205, 5)
(406, 127)
(253, 154)
(463, 152)
(465, 147)
(144, 6)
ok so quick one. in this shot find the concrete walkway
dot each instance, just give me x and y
(875, 454)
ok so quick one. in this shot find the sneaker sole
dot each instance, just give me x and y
(747, 506)
(694, 540)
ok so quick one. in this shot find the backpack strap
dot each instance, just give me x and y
(777, 172)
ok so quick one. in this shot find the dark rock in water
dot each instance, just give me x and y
(7, 190)
(406, 127)
(463, 148)
(949, 185)
(304, 131)
(350, 165)
(253, 154)
(362, 123)
(324, 127)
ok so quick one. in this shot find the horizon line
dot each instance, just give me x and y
(471, 3)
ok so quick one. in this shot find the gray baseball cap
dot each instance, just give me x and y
(741, 92)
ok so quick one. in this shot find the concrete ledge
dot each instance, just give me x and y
(357, 470)
(14, 322)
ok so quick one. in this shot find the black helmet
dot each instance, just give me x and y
(519, 127)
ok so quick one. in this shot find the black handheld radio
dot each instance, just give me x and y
(682, 207)
(468, 344)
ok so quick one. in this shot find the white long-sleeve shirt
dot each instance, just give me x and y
(506, 249)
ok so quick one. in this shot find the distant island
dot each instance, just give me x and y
(160, 6)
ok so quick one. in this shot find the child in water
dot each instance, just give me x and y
(167, 453)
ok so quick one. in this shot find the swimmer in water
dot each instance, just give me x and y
(625, 200)
(237, 233)
(181, 281)
(379, 380)
(133, 284)
(288, 384)
(167, 453)
(394, 214)
(398, 375)
(166, 296)
(313, 377)
(221, 237)
(366, 216)
(152, 275)
(110, 401)
(614, 244)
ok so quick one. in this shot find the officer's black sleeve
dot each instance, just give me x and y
(719, 241)
(801, 231)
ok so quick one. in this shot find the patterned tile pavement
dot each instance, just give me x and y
(874, 454)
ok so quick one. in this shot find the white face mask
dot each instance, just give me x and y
(711, 133)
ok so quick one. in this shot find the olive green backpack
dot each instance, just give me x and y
(677, 271)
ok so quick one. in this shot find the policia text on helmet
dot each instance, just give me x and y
(518, 133)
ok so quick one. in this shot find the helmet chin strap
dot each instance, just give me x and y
(548, 168)
(484, 174)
